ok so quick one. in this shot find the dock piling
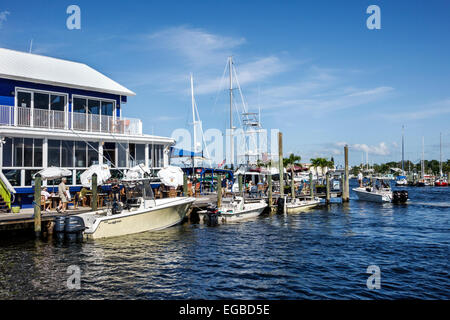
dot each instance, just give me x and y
(328, 188)
(37, 204)
(292, 184)
(280, 160)
(219, 190)
(311, 186)
(94, 192)
(346, 191)
(185, 186)
(240, 184)
(269, 178)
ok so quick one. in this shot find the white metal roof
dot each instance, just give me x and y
(36, 68)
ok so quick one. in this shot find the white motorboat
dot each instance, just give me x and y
(234, 210)
(401, 181)
(141, 212)
(374, 194)
(296, 205)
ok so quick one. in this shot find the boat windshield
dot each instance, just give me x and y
(138, 188)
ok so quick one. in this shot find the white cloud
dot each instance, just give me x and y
(427, 111)
(198, 46)
(381, 149)
(3, 17)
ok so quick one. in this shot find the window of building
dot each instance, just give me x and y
(24, 99)
(57, 102)
(94, 106)
(13, 177)
(122, 151)
(79, 105)
(107, 108)
(41, 101)
(18, 152)
(80, 154)
(29, 181)
(54, 153)
(28, 152)
(37, 153)
(7, 153)
(140, 153)
(109, 154)
(67, 154)
(92, 153)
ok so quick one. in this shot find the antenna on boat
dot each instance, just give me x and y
(230, 61)
(31, 45)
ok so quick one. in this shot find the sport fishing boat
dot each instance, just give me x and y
(441, 182)
(297, 205)
(139, 213)
(234, 210)
(380, 192)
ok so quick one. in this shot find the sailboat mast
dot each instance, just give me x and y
(440, 155)
(423, 157)
(231, 112)
(194, 123)
(403, 149)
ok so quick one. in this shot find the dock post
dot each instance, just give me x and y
(280, 160)
(346, 194)
(94, 192)
(240, 184)
(342, 186)
(311, 186)
(292, 184)
(219, 190)
(185, 186)
(269, 178)
(328, 187)
(37, 205)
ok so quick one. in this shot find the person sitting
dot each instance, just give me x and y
(47, 202)
(83, 196)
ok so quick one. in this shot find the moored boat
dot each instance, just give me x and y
(235, 210)
(296, 205)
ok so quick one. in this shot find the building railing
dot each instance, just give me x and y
(52, 119)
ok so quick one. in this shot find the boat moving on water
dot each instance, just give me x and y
(380, 192)
(235, 210)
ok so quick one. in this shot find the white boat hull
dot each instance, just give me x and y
(166, 213)
(301, 206)
(250, 210)
(363, 194)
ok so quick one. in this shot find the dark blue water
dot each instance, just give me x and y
(322, 254)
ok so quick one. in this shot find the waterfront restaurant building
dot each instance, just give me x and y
(65, 114)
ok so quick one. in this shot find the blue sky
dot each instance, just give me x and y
(315, 70)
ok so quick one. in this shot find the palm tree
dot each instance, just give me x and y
(315, 163)
(290, 162)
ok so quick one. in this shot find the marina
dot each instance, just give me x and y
(189, 156)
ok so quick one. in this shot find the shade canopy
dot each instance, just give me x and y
(137, 172)
(171, 176)
(52, 173)
(102, 171)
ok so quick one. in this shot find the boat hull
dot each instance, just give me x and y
(151, 219)
(231, 217)
(293, 208)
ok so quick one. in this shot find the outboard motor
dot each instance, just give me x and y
(400, 196)
(212, 216)
(74, 227)
(59, 224)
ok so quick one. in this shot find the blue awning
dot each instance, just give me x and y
(180, 153)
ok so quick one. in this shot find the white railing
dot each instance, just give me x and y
(51, 119)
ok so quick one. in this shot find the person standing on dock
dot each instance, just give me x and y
(62, 188)
(360, 179)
